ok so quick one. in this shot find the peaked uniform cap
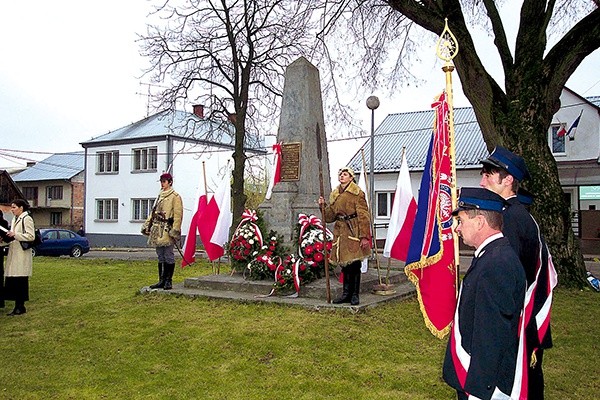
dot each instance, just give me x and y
(508, 161)
(474, 198)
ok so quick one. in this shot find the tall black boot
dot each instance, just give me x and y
(168, 276)
(346, 288)
(19, 309)
(356, 287)
(161, 277)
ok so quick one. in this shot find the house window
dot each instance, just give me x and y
(30, 193)
(384, 204)
(107, 162)
(145, 159)
(141, 208)
(558, 141)
(55, 218)
(107, 209)
(55, 192)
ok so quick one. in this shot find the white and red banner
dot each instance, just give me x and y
(216, 221)
(402, 219)
(189, 247)
(276, 174)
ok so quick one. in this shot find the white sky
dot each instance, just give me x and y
(71, 71)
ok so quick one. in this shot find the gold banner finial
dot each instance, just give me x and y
(447, 45)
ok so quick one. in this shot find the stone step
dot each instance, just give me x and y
(315, 290)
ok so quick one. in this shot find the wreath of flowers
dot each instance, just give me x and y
(310, 262)
(246, 242)
(266, 262)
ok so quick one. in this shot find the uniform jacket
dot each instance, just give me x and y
(348, 209)
(163, 225)
(523, 234)
(19, 262)
(490, 303)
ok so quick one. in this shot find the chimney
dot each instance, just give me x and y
(199, 110)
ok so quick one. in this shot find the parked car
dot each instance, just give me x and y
(61, 242)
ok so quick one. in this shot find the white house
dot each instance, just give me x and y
(577, 156)
(123, 168)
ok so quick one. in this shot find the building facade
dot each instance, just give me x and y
(54, 188)
(122, 170)
(577, 155)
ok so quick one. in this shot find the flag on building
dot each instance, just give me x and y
(573, 128)
(402, 218)
(189, 247)
(216, 220)
(276, 173)
(430, 261)
(561, 131)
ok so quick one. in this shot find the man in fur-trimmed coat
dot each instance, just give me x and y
(351, 233)
(163, 228)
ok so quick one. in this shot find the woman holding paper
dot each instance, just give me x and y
(4, 239)
(19, 263)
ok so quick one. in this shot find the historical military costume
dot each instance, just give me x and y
(481, 357)
(348, 209)
(163, 227)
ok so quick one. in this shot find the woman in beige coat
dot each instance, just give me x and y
(19, 263)
(163, 228)
(351, 233)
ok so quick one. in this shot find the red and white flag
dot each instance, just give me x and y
(216, 221)
(362, 184)
(276, 175)
(402, 219)
(189, 247)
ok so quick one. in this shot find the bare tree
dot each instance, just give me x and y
(229, 55)
(517, 116)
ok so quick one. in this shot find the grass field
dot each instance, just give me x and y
(89, 334)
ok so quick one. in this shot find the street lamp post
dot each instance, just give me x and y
(372, 104)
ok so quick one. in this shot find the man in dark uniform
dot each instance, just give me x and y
(482, 355)
(502, 173)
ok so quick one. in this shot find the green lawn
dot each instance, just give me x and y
(89, 334)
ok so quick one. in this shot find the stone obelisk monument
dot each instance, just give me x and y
(301, 117)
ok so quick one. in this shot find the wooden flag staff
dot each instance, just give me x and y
(322, 206)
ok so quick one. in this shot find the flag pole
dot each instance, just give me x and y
(373, 236)
(322, 190)
(447, 49)
(212, 264)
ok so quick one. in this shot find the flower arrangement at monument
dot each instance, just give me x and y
(264, 264)
(247, 241)
(309, 264)
(268, 259)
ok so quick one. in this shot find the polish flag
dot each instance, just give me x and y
(276, 175)
(216, 221)
(402, 219)
(362, 184)
(189, 247)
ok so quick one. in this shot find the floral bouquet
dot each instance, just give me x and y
(286, 275)
(312, 248)
(246, 242)
(310, 262)
(264, 264)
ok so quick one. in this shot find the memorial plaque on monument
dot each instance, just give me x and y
(290, 161)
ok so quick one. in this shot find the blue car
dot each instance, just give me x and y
(61, 242)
